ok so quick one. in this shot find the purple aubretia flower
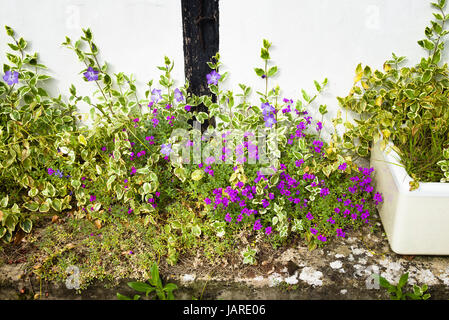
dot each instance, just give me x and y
(319, 126)
(265, 203)
(11, 77)
(342, 167)
(207, 201)
(50, 171)
(178, 95)
(299, 162)
(377, 198)
(92, 198)
(324, 192)
(318, 145)
(257, 225)
(213, 77)
(187, 108)
(228, 217)
(91, 74)
(267, 230)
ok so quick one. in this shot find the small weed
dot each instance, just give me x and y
(396, 292)
(155, 285)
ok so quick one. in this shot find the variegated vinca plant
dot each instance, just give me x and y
(407, 106)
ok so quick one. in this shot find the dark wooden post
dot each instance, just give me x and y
(201, 39)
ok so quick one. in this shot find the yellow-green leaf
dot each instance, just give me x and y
(82, 140)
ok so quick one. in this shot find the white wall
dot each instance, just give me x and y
(312, 39)
(133, 36)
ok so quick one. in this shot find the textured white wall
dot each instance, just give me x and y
(312, 39)
(133, 36)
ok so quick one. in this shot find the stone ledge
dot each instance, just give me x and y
(342, 270)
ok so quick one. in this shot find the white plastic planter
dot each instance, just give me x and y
(416, 222)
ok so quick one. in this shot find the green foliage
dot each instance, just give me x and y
(32, 124)
(404, 105)
(124, 242)
(155, 285)
(249, 256)
(444, 165)
(119, 162)
(124, 125)
(239, 124)
(396, 292)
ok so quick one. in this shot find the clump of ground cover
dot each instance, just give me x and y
(125, 246)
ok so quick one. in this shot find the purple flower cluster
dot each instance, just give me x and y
(363, 184)
(290, 188)
(225, 197)
(324, 192)
(318, 145)
(150, 139)
(351, 209)
(298, 133)
(287, 109)
(299, 162)
(170, 120)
